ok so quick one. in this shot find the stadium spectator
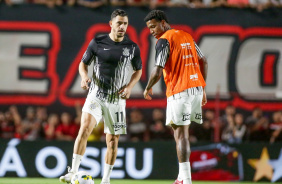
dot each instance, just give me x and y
(67, 130)
(157, 3)
(41, 117)
(177, 3)
(237, 3)
(92, 3)
(137, 2)
(137, 128)
(16, 118)
(196, 4)
(118, 2)
(30, 127)
(240, 128)
(275, 3)
(235, 130)
(9, 122)
(257, 126)
(276, 127)
(158, 130)
(213, 3)
(259, 5)
(14, 2)
(50, 127)
(228, 116)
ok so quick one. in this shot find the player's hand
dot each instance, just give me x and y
(147, 94)
(85, 83)
(125, 93)
(204, 101)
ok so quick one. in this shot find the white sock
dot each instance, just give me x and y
(185, 172)
(179, 177)
(107, 172)
(76, 159)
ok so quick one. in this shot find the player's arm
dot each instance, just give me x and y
(83, 65)
(126, 92)
(202, 61)
(154, 78)
(83, 71)
(162, 55)
(134, 78)
(204, 70)
(204, 67)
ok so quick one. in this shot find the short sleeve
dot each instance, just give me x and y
(199, 52)
(89, 53)
(136, 61)
(162, 52)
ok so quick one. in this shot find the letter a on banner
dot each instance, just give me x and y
(11, 160)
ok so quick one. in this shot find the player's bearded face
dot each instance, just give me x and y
(156, 27)
(119, 25)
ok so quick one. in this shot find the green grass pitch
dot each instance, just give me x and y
(97, 181)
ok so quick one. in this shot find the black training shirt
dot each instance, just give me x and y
(112, 64)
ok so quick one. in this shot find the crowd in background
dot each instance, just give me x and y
(259, 5)
(234, 127)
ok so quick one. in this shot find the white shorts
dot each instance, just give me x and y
(184, 107)
(113, 114)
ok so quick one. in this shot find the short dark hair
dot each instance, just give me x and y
(118, 12)
(156, 14)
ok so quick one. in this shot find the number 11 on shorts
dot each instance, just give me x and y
(119, 117)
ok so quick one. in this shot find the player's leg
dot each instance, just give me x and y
(196, 116)
(111, 155)
(88, 122)
(114, 125)
(91, 114)
(178, 117)
(181, 136)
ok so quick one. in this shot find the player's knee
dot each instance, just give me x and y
(112, 144)
(84, 131)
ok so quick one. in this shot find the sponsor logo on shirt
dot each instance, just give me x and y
(186, 46)
(186, 116)
(119, 126)
(191, 64)
(198, 116)
(187, 56)
(194, 77)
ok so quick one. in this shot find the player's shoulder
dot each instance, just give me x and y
(175, 35)
(128, 41)
(175, 32)
(100, 38)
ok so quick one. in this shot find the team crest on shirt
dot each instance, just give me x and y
(93, 105)
(125, 52)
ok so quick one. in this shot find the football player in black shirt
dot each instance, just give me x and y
(113, 56)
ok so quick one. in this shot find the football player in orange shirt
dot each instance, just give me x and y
(185, 70)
